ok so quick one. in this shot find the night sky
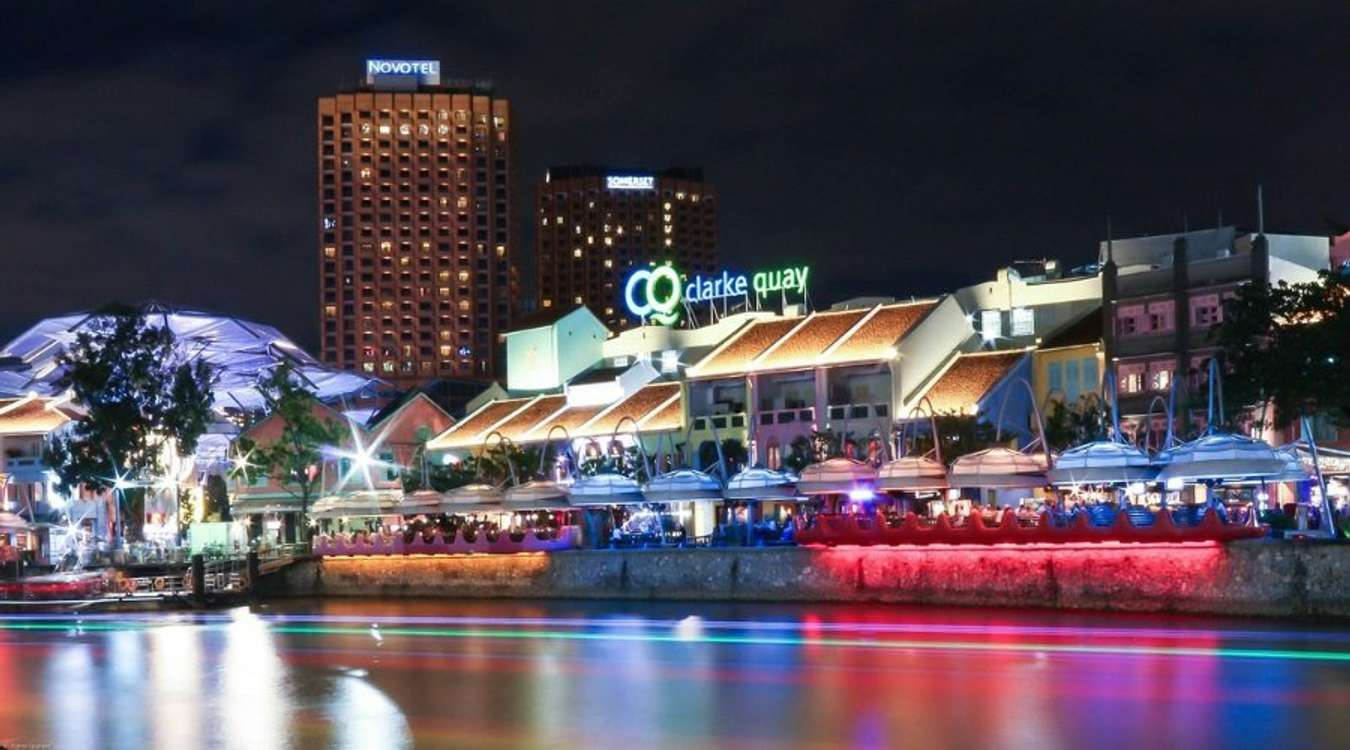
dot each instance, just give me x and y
(167, 151)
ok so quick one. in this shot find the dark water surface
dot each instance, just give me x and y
(644, 675)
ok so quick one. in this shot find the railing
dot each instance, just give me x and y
(568, 537)
(787, 416)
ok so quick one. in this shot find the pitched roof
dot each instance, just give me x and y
(569, 419)
(969, 379)
(637, 406)
(803, 346)
(522, 422)
(833, 337)
(737, 353)
(467, 430)
(877, 335)
(33, 415)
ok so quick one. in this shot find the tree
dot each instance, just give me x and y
(733, 451)
(1067, 425)
(961, 434)
(295, 459)
(1288, 346)
(140, 394)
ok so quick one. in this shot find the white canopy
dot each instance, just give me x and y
(999, 468)
(838, 475)
(241, 351)
(1102, 462)
(539, 494)
(762, 484)
(605, 489)
(683, 485)
(357, 504)
(1221, 457)
(478, 497)
(911, 473)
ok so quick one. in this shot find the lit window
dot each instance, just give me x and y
(330, 311)
(609, 263)
(576, 253)
(384, 130)
(547, 303)
(1023, 321)
(578, 300)
(991, 324)
(330, 252)
(670, 361)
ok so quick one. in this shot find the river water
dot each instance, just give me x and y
(391, 674)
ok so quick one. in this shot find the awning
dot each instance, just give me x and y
(762, 484)
(837, 475)
(1102, 462)
(605, 489)
(999, 468)
(683, 485)
(1221, 457)
(911, 474)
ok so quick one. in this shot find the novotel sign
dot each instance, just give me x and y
(425, 71)
(656, 293)
(630, 182)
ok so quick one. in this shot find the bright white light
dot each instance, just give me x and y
(1176, 483)
(1135, 488)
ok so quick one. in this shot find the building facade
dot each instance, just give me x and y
(1163, 302)
(416, 251)
(595, 224)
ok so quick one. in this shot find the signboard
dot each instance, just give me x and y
(426, 72)
(656, 293)
(630, 182)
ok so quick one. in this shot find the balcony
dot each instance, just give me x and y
(25, 468)
(844, 412)
(788, 416)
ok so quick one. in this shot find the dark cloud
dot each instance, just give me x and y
(166, 150)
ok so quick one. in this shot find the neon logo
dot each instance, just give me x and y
(659, 291)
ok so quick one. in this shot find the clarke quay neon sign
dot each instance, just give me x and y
(656, 292)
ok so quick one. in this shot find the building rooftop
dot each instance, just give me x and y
(804, 345)
(969, 379)
(637, 407)
(33, 415)
(1083, 330)
(832, 337)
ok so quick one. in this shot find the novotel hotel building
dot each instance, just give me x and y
(595, 225)
(416, 251)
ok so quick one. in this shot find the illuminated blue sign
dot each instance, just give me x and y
(425, 71)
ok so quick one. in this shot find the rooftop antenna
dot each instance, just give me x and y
(1260, 211)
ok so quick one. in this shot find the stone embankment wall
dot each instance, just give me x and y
(1246, 578)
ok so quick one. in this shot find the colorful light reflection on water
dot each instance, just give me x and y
(507, 674)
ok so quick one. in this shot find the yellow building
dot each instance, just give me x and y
(1069, 363)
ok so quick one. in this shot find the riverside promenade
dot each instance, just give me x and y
(1265, 577)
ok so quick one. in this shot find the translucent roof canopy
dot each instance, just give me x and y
(1222, 457)
(911, 473)
(835, 475)
(999, 468)
(1103, 462)
(241, 351)
(762, 484)
(683, 485)
(605, 489)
